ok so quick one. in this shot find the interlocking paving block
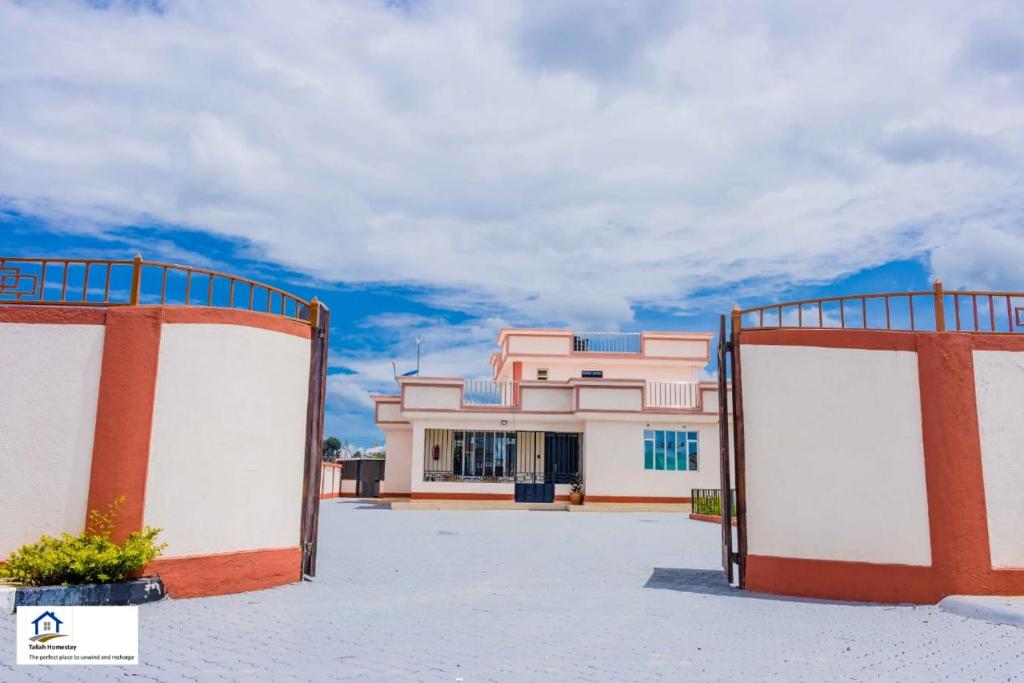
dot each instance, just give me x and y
(522, 596)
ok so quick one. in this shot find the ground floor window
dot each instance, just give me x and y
(500, 456)
(670, 450)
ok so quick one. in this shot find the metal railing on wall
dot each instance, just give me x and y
(606, 342)
(709, 501)
(485, 392)
(105, 282)
(937, 310)
(665, 394)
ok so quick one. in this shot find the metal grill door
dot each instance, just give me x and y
(728, 554)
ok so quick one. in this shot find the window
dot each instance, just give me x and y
(673, 451)
(542, 373)
(593, 373)
(493, 456)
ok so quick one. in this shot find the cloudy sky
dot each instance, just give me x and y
(443, 169)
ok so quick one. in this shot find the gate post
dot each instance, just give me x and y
(725, 479)
(738, 445)
(320, 322)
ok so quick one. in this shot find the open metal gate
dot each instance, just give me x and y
(320, 322)
(734, 549)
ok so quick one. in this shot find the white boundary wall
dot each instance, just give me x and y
(834, 434)
(999, 386)
(49, 385)
(238, 434)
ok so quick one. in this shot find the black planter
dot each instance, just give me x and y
(134, 592)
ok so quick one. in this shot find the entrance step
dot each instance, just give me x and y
(997, 609)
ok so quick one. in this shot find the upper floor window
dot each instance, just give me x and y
(593, 373)
(664, 450)
(542, 373)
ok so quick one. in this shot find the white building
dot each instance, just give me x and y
(625, 411)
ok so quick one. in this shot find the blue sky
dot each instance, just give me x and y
(443, 169)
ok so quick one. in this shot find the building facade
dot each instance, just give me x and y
(628, 413)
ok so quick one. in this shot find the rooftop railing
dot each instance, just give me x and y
(661, 394)
(606, 342)
(485, 392)
(104, 282)
(936, 310)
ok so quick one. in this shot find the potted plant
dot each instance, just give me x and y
(88, 569)
(576, 492)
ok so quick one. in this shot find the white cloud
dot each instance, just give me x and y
(546, 162)
(980, 256)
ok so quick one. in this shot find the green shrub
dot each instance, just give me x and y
(90, 557)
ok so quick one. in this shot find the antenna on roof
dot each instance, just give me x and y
(411, 373)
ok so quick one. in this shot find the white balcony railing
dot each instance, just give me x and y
(485, 392)
(671, 395)
(606, 342)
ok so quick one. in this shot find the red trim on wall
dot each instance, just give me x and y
(891, 583)
(1001, 342)
(395, 495)
(952, 460)
(124, 414)
(422, 495)
(636, 499)
(874, 340)
(232, 316)
(52, 315)
(194, 576)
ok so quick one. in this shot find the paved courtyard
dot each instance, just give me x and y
(528, 596)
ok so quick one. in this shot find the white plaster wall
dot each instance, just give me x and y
(614, 460)
(834, 455)
(227, 449)
(398, 466)
(432, 397)
(49, 383)
(554, 400)
(676, 348)
(330, 480)
(999, 386)
(600, 398)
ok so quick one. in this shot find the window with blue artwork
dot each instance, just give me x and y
(670, 450)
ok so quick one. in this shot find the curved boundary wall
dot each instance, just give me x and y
(196, 415)
(883, 466)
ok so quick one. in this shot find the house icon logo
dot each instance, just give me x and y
(47, 626)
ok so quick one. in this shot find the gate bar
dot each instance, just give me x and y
(738, 445)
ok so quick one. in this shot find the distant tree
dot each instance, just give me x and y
(332, 448)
